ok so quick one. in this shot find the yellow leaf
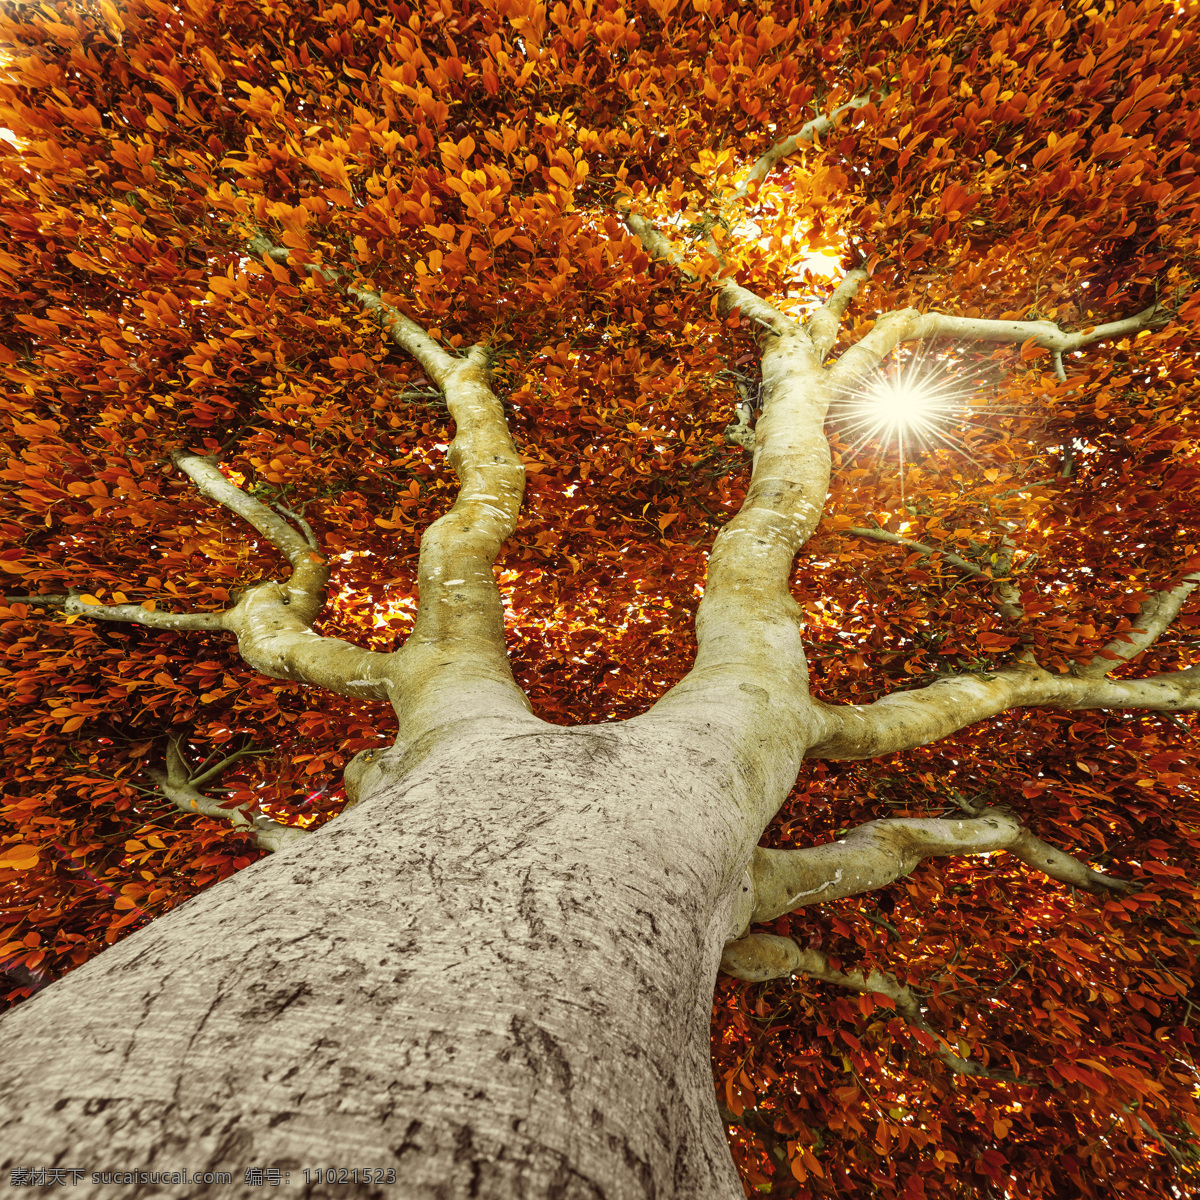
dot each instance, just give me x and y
(560, 176)
(87, 599)
(149, 605)
(18, 857)
(112, 18)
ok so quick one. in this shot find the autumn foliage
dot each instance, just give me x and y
(469, 161)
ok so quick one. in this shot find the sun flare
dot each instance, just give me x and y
(901, 402)
(918, 404)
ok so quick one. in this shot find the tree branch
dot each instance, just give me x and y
(823, 324)
(747, 613)
(178, 785)
(435, 360)
(910, 325)
(914, 718)
(803, 136)
(873, 855)
(298, 517)
(457, 645)
(201, 776)
(1005, 595)
(460, 618)
(731, 294)
(273, 621)
(72, 605)
(310, 572)
(761, 956)
(748, 624)
(1154, 616)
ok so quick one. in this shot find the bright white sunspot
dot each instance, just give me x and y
(917, 403)
(901, 403)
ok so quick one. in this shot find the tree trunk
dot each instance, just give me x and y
(494, 977)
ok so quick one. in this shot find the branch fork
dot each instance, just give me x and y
(181, 786)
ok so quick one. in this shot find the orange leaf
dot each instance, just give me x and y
(19, 857)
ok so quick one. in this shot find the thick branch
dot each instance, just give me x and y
(873, 855)
(1154, 616)
(823, 325)
(748, 624)
(458, 636)
(914, 718)
(460, 618)
(206, 475)
(748, 620)
(178, 785)
(273, 621)
(762, 956)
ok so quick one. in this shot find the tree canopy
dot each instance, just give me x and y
(211, 215)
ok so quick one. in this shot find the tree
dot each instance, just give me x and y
(912, 291)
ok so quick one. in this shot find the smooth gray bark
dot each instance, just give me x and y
(494, 975)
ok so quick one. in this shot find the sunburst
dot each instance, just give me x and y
(917, 403)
